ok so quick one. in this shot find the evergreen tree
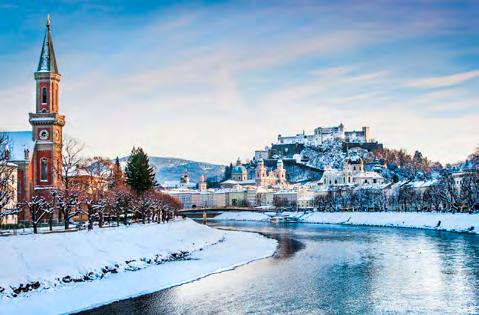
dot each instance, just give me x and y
(140, 176)
(227, 172)
(118, 178)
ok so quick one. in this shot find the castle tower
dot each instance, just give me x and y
(47, 123)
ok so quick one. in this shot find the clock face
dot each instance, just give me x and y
(43, 134)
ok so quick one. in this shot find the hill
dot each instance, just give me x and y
(171, 169)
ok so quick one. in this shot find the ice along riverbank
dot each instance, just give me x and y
(47, 259)
(458, 222)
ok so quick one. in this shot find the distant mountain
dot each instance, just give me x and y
(171, 169)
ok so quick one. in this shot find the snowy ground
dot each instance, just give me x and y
(47, 258)
(448, 222)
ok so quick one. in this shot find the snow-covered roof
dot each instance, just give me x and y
(368, 175)
(18, 141)
(286, 192)
(373, 187)
(423, 183)
(8, 164)
(176, 184)
(234, 182)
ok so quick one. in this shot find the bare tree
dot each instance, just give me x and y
(7, 179)
(71, 159)
(99, 174)
(93, 210)
(67, 204)
(448, 192)
(469, 190)
(39, 209)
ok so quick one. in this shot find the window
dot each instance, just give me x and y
(44, 95)
(43, 170)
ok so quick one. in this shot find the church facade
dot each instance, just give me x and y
(37, 153)
(271, 178)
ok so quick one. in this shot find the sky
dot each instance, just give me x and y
(213, 80)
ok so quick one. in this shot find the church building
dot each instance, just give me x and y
(37, 152)
(271, 178)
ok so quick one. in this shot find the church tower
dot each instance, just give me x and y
(281, 172)
(46, 121)
(261, 175)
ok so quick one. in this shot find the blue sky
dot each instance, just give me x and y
(215, 80)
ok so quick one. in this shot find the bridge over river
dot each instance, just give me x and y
(213, 212)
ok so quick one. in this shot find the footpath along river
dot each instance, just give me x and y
(332, 269)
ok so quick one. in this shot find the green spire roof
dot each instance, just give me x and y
(47, 62)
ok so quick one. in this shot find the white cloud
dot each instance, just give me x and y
(444, 81)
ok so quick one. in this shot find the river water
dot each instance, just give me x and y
(332, 269)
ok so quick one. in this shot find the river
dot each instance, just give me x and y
(332, 269)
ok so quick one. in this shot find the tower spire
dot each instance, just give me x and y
(47, 62)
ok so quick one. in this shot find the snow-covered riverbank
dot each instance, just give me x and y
(50, 259)
(437, 221)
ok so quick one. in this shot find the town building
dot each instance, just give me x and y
(9, 188)
(286, 199)
(352, 174)
(305, 200)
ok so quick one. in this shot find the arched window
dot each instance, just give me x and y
(44, 95)
(43, 169)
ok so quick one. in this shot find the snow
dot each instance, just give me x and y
(449, 222)
(235, 250)
(76, 254)
(49, 258)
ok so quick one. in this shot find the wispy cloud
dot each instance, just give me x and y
(444, 81)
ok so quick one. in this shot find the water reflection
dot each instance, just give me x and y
(287, 245)
(334, 270)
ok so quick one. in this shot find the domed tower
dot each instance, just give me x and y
(239, 172)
